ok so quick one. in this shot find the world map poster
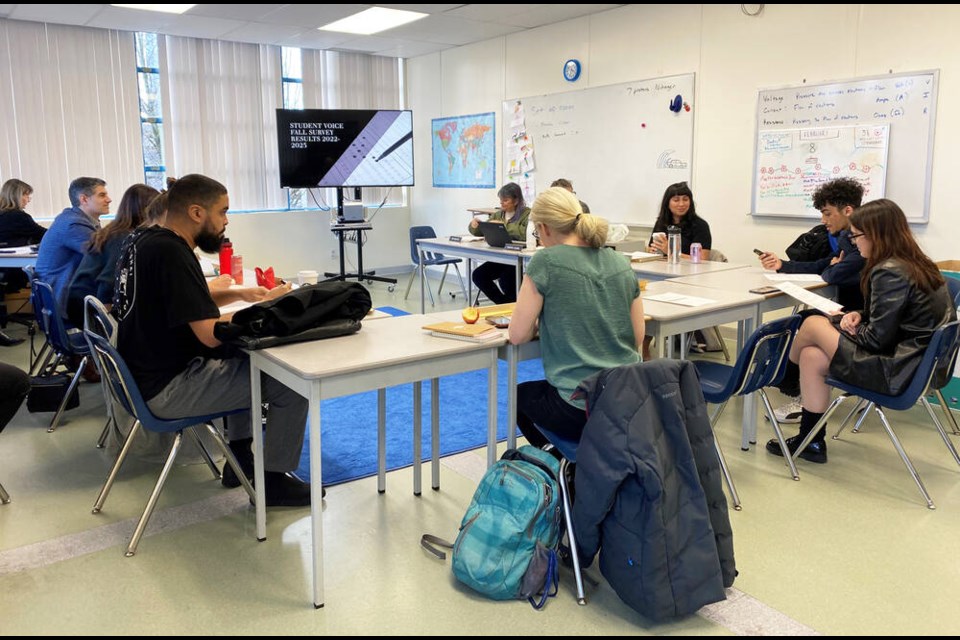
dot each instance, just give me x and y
(464, 151)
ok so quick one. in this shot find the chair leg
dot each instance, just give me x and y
(4, 496)
(723, 343)
(460, 278)
(947, 412)
(821, 423)
(66, 397)
(778, 432)
(941, 430)
(102, 440)
(734, 496)
(413, 276)
(903, 456)
(108, 483)
(207, 458)
(152, 502)
(863, 416)
(571, 536)
(858, 405)
(443, 279)
(232, 461)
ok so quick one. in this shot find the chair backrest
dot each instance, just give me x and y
(31, 272)
(96, 318)
(953, 286)
(416, 233)
(50, 320)
(939, 359)
(763, 360)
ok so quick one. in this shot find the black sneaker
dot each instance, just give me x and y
(816, 451)
(287, 490)
(244, 455)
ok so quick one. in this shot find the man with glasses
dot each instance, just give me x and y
(835, 200)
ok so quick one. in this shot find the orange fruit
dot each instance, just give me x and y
(471, 315)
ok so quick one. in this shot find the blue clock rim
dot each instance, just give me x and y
(576, 65)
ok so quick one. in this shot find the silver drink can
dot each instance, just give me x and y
(695, 252)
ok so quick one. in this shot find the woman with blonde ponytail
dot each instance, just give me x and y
(585, 301)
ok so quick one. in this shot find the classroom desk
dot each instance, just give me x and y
(477, 250)
(384, 353)
(17, 257)
(662, 270)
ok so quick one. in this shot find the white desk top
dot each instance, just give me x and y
(661, 269)
(382, 343)
(722, 299)
(741, 279)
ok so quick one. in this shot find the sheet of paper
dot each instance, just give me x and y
(678, 298)
(809, 298)
(18, 251)
(792, 277)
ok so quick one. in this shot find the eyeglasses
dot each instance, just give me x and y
(854, 236)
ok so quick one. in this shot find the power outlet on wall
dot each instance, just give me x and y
(333, 254)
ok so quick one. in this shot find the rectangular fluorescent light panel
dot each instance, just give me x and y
(165, 8)
(373, 20)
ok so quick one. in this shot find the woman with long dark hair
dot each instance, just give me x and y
(95, 275)
(880, 347)
(677, 208)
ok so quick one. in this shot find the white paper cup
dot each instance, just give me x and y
(307, 277)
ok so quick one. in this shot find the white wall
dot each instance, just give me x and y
(295, 240)
(733, 56)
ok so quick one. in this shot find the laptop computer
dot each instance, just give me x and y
(495, 233)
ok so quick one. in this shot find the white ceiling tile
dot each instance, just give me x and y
(542, 14)
(314, 39)
(311, 15)
(432, 9)
(263, 33)
(56, 13)
(412, 49)
(5, 9)
(448, 30)
(200, 27)
(502, 13)
(131, 19)
(251, 12)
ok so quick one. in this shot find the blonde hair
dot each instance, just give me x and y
(560, 210)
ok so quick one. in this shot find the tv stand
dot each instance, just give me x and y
(342, 228)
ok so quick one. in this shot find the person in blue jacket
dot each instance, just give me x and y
(65, 244)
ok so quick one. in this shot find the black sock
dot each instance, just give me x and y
(790, 383)
(808, 420)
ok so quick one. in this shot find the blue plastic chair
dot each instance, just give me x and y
(568, 450)
(124, 389)
(430, 260)
(35, 356)
(64, 342)
(934, 371)
(761, 363)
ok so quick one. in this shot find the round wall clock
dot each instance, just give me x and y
(571, 70)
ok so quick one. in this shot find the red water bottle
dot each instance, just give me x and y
(226, 257)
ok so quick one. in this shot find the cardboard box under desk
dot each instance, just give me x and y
(18, 302)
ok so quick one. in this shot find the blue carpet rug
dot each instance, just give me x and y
(349, 424)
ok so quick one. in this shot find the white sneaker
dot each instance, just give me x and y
(789, 412)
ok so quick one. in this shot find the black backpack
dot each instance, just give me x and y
(811, 246)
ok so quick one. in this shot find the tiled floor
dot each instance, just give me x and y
(850, 549)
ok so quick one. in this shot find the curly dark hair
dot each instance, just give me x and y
(839, 193)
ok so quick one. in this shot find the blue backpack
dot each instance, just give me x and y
(507, 545)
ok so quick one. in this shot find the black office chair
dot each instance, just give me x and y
(430, 260)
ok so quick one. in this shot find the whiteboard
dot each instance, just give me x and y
(621, 145)
(795, 162)
(905, 102)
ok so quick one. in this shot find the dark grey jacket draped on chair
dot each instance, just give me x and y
(648, 490)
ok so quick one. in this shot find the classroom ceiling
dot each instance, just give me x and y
(295, 25)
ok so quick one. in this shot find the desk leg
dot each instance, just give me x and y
(492, 410)
(435, 432)
(749, 425)
(316, 492)
(519, 272)
(417, 435)
(256, 429)
(513, 357)
(423, 283)
(381, 440)
(469, 282)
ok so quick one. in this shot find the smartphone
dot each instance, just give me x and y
(765, 290)
(758, 252)
(500, 322)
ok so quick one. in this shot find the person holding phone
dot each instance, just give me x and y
(499, 281)
(836, 200)
(880, 347)
(583, 328)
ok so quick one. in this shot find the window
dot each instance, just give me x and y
(291, 72)
(151, 109)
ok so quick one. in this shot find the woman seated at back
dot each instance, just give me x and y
(678, 209)
(17, 228)
(95, 275)
(499, 281)
(585, 300)
(880, 347)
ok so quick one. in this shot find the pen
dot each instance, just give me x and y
(408, 135)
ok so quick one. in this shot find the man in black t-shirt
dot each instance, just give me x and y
(166, 337)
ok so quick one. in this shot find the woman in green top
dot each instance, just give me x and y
(586, 302)
(499, 281)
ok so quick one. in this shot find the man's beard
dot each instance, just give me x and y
(209, 242)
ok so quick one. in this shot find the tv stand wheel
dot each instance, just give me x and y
(391, 287)
(369, 281)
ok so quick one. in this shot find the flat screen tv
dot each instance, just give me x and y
(345, 148)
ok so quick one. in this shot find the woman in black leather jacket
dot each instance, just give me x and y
(880, 347)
